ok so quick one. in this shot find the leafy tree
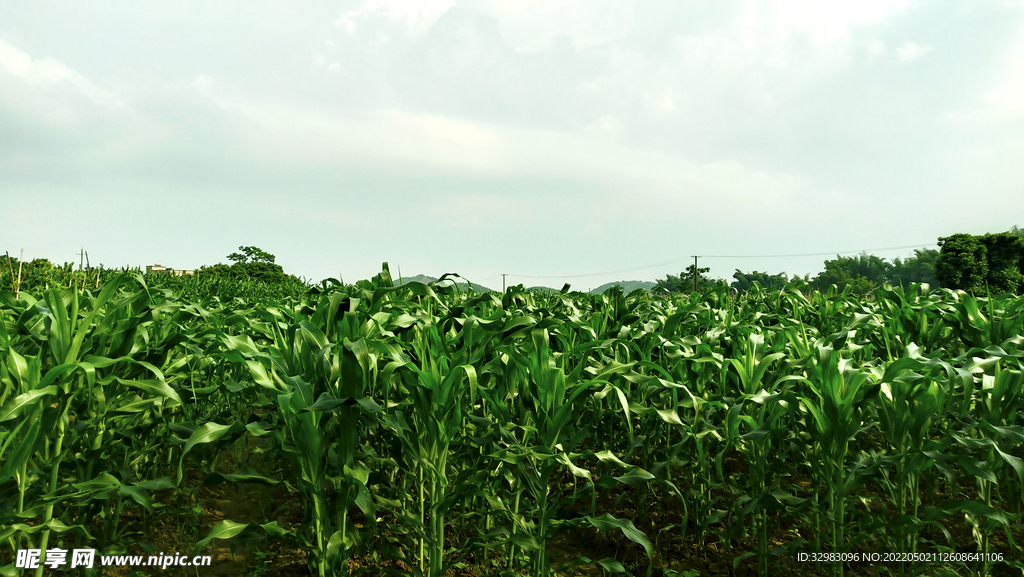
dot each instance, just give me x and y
(768, 281)
(251, 263)
(980, 263)
(684, 282)
(251, 254)
(919, 268)
(1005, 252)
(962, 262)
(219, 269)
(863, 272)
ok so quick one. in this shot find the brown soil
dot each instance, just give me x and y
(190, 514)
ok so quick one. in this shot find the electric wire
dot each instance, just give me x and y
(667, 262)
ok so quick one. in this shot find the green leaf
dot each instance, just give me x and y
(607, 522)
(223, 530)
(207, 433)
(242, 476)
(25, 401)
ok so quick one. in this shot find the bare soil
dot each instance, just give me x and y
(188, 515)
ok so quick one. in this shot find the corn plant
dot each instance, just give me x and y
(433, 422)
(78, 401)
(423, 424)
(836, 415)
(912, 399)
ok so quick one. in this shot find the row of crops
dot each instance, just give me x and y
(450, 430)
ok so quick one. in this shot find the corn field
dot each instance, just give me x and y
(425, 431)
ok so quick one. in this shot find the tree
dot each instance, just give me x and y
(768, 281)
(863, 272)
(980, 263)
(1005, 252)
(962, 262)
(251, 263)
(919, 268)
(251, 254)
(684, 282)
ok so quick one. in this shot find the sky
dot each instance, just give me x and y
(580, 141)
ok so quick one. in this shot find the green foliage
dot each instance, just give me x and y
(863, 273)
(252, 268)
(402, 415)
(979, 263)
(919, 268)
(1005, 252)
(766, 280)
(627, 286)
(684, 282)
(962, 262)
(40, 274)
(255, 279)
(252, 263)
(251, 254)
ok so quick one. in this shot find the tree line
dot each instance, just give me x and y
(978, 263)
(252, 271)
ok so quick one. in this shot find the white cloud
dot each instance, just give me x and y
(823, 22)
(469, 211)
(875, 47)
(606, 127)
(530, 25)
(416, 15)
(1007, 96)
(803, 37)
(1003, 95)
(347, 21)
(49, 89)
(572, 119)
(308, 135)
(909, 51)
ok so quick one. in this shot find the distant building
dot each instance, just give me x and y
(161, 269)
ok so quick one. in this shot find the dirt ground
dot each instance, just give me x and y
(189, 514)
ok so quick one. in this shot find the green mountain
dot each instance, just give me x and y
(422, 278)
(628, 286)
(416, 278)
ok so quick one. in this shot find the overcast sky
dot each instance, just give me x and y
(547, 138)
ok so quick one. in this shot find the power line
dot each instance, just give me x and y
(645, 267)
(818, 253)
(667, 262)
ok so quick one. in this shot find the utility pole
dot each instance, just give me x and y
(503, 275)
(695, 257)
(81, 258)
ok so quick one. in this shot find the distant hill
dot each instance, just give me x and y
(628, 286)
(417, 278)
(422, 278)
